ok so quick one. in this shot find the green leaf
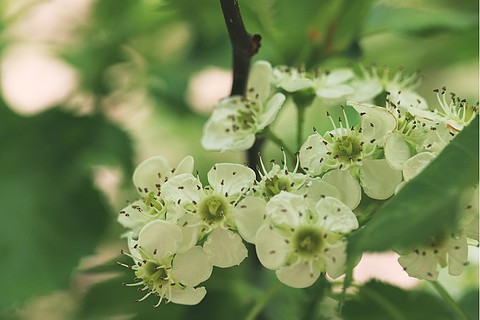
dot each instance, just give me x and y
(51, 213)
(470, 303)
(418, 21)
(380, 301)
(428, 204)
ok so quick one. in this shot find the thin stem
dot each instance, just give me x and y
(244, 45)
(260, 305)
(300, 125)
(449, 300)
(279, 142)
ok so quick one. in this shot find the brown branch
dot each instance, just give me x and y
(244, 47)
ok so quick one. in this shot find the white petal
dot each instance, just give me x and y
(259, 78)
(272, 106)
(334, 92)
(377, 122)
(225, 248)
(187, 296)
(336, 258)
(189, 225)
(313, 153)
(135, 216)
(185, 166)
(298, 275)
(218, 134)
(160, 238)
(416, 164)
(338, 76)
(457, 255)
(319, 188)
(150, 174)
(271, 248)
(182, 189)
(350, 190)
(284, 209)
(396, 150)
(230, 178)
(249, 216)
(192, 267)
(365, 90)
(406, 98)
(378, 179)
(335, 216)
(293, 85)
(418, 265)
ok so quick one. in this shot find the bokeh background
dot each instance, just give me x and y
(89, 88)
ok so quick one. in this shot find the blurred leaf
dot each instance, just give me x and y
(428, 204)
(417, 20)
(470, 303)
(380, 301)
(51, 213)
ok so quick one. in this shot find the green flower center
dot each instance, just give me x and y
(275, 185)
(213, 209)
(246, 119)
(153, 275)
(347, 148)
(151, 202)
(308, 241)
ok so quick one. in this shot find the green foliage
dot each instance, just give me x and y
(379, 301)
(51, 213)
(428, 204)
(418, 21)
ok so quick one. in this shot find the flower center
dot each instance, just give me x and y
(347, 148)
(213, 209)
(246, 119)
(151, 202)
(275, 185)
(153, 275)
(308, 241)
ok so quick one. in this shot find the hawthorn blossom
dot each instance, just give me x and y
(354, 149)
(167, 267)
(445, 249)
(237, 119)
(292, 79)
(302, 239)
(212, 208)
(148, 178)
(333, 87)
(454, 112)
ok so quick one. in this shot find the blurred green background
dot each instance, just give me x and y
(89, 88)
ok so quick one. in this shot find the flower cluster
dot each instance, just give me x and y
(298, 220)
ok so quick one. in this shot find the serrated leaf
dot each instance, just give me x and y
(52, 214)
(428, 204)
(380, 301)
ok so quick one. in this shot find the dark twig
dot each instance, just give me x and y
(244, 47)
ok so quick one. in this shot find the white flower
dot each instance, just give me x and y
(235, 120)
(166, 268)
(400, 87)
(279, 179)
(213, 208)
(304, 239)
(333, 87)
(422, 262)
(148, 178)
(292, 79)
(454, 112)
